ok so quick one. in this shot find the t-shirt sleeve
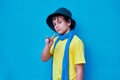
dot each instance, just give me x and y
(79, 52)
(52, 49)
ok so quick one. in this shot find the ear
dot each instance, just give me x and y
(69, 22)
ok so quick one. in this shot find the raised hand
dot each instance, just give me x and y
(49, 41)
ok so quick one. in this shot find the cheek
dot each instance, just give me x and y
(63, 25)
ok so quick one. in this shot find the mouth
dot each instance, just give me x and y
(57, 29)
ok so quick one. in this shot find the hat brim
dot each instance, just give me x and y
(50, 24)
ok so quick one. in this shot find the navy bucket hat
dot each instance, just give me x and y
(63, 12)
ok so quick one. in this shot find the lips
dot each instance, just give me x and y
(57, 29)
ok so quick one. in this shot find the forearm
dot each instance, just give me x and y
(79, 74)
(46, 53)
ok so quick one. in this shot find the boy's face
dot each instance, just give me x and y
(61, 26)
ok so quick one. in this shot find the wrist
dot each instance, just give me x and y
(47, 46)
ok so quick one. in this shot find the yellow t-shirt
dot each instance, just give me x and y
(76, 56)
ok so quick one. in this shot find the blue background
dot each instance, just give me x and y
(23, 30)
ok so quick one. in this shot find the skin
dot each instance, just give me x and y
(62, 27)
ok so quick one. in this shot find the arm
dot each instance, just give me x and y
(79, 69)
(46, 52)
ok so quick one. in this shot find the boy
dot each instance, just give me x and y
(67, 49)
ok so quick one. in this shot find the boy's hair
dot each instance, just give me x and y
(66, 19)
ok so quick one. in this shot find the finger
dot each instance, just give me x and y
(53, 36)
(50, 44)
(47, 37)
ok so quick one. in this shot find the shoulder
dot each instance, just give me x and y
(77, 39)
(77, 42)
(56, 37)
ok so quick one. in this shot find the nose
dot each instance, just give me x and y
(56, 26)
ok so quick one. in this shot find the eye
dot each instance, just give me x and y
(54, 24)
(60, 21)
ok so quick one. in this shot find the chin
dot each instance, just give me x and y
(60, 32)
